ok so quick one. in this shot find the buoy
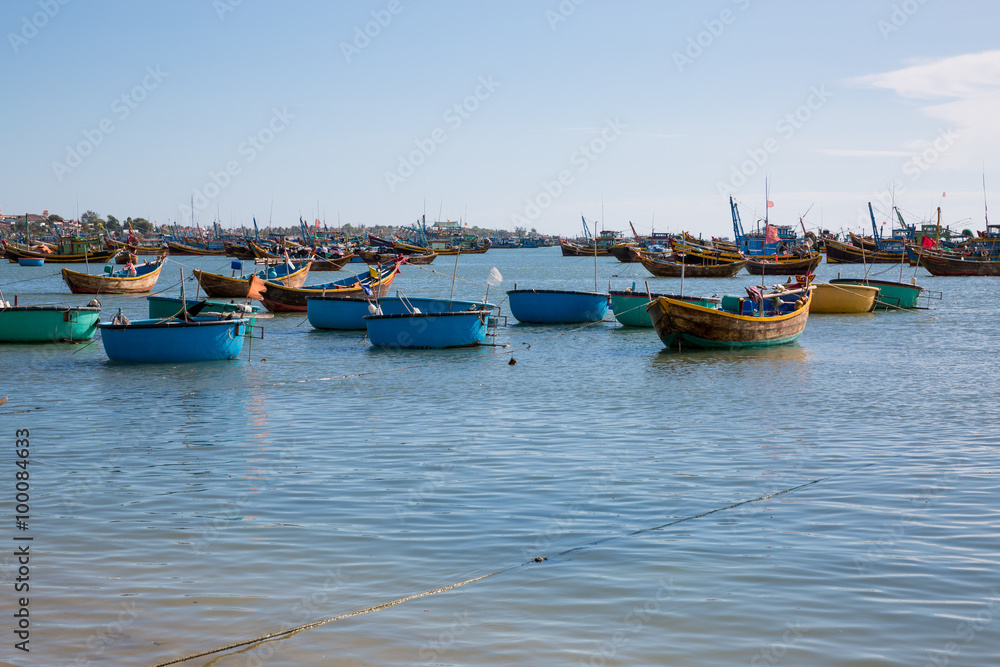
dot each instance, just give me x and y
(512, 361)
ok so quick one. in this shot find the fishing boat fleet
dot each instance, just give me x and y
(210, 328)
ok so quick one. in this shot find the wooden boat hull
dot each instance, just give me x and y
(720, 254)
(428, 330)
(225, 287)
(260, 252)
(410, 249)
(335, 264)
(670, 269)
(146, 250)
(182, 249)
(14, 254)
(348, 314)
(174, 341)
(892, 295)
(941, 265)
(630, 307)
(623, 252)
(278, 298)
(782, 267)
(682, 324)
(570, 249)
(85, 283)
(557, 306)
(842, 299)
(384, 258)
(844, 253)
(48, 324)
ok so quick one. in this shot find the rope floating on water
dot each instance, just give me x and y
(284, 634)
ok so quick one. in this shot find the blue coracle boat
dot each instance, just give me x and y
(547, 306)
(209, 338)
(346, 313)
(429, 330)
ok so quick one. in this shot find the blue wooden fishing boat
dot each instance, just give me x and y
(346, 313)
(434, 330)
(208, 338)
(31, 261)
(549, 306)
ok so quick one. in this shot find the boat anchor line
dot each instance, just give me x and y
(286, 634)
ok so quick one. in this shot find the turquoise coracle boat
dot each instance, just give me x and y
(48, 324)
(161, 307)
(209, 338)
(347, 314)
(549, 306)
(629, 306)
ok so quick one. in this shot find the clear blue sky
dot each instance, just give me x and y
(130, 108)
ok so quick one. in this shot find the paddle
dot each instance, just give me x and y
(196, 308)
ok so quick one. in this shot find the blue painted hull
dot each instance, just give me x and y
(205, 339)
(30, 261)
(428, 330)
(557, 306)
(345, 313)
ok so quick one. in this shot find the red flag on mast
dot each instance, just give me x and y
(770, 234)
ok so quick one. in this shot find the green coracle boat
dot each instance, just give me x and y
(163, 307)
(48, 324)
(630, 306)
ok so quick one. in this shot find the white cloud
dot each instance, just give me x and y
(861, 152)
(963, 92)
(956, 77)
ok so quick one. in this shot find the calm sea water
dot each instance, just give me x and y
(180, 508)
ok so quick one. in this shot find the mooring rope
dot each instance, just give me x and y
(538, 559)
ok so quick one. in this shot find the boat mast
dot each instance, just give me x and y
(986, 211)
